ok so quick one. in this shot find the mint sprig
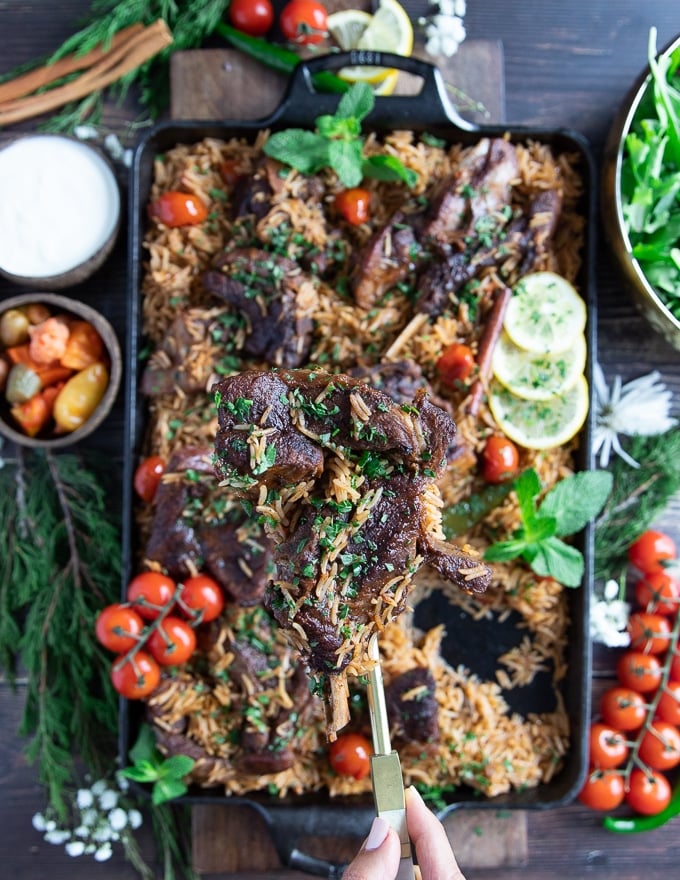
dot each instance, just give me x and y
(337, 143)
(149, 765)
(565, 510)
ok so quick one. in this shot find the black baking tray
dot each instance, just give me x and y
(467, 642)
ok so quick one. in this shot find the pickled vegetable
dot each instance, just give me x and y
(13, 327)
(22, 384)
(80, 397)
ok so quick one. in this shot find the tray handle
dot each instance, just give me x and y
(430, 106)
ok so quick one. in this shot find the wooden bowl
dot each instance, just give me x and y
(643, 293)
(60, 211)
(60, 304)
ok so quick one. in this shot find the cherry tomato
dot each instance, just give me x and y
(500, 459)
(229, 171)
(350, 754)
(173, 642)
(668, 707)
(175, 208)
(455, 364)
(641, 672)
(149, 593)
(649, 633)
(648, 792)
(253, 17)
(658, 593)
(354, 204)
(650, 550)
(660, 746)
(137, 677)
(147, 477)
(304, 21)
(623, 708)
(602, 791)
(117, 628)
(608, 747)
(674, 674)
(202, 597)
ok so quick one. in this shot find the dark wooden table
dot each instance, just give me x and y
(566, 64)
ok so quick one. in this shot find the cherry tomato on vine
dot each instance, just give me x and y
(304, 21)
(350, 755)
(658, 593)
(641, 672)
(660, 746)
(175, 208)
(602, 790)
(148, 476)
(150, 588)
(649, 551)
(668, 707)
(173, 642)
(607, 747)
(674, 673)
(650, 633)
(354, 205)
(455, 364)
(253, 17)
(500, 459)
(648, 792)
(117, 627)
(623, 708)
(203, 596)
(137, 677)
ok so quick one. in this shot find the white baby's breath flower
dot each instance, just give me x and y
(108, 799)
(118, 819)
(102, 833)
(89, 817)
(639, 408)
(608, 621)
(103, 853)
(50, 825)
(444, 28)
(57, 836)
(82, 831)
(75, 848)
(84, 798)
(134, 819)
(122, 781)
(85, 132)
(611, 590)
(99, 787)
(38, 822)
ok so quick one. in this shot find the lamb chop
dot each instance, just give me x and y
(345, 479)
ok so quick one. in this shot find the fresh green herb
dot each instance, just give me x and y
(167, 775)
(566, 509)
(336, 143)
(650, 179)
(460, 518)
(267, 461)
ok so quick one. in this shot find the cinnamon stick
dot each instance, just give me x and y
(487, 343)
(114, 64)
(48, 73)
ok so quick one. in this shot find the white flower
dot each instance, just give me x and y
(108, 799)
(103, 853)
(99, 787)
(57, 836)
(82, 831)
(84, 798)
(50, 825)
(444, 34)
(134, 819)
(122, 782)
(89, 817)
(611, 590)
(75, 848)
(38, 822)
(118, 819)
(608, 621)
(102, 833)
(85, 132)
(640, 407)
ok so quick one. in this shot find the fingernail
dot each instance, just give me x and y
(378, 833)
(413, 793)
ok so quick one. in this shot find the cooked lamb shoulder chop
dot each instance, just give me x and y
(346, 480)
(412, 706)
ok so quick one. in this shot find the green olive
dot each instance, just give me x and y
(80, 397)
(37, 313)
(13, 328)
(22, 384)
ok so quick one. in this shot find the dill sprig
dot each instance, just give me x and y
(60, 567)
(638, 496)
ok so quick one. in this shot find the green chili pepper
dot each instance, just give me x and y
(278, 57)
(632, 824)
(460, 518)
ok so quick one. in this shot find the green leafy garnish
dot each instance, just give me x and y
(149, 765)
(337, 143)
(566, 509)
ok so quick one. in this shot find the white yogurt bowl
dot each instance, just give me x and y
(59, 213)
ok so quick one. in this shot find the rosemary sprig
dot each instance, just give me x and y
(639, 495)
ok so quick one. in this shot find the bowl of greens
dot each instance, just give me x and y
(641, 190)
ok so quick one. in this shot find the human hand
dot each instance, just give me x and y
(378, 858)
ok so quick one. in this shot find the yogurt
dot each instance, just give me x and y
(59, 205)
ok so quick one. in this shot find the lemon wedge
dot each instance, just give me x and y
(388, 30)
(540, 424)
(545, 313)
(537, 375)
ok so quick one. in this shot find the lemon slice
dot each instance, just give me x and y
(389, 30)
(540, 424)
(545, 313)
(535, 375)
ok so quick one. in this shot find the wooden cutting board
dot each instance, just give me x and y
(219, 84)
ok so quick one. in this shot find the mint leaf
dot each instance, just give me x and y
(167, 789)
(389, 168)
(576, 500)
(560, 561)
(527, 487)
(144, 750)
(142, 771)
(332, 127)
(304, 150)
(345, 158)
(357, 102)
(503, 551)
(177, 766)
